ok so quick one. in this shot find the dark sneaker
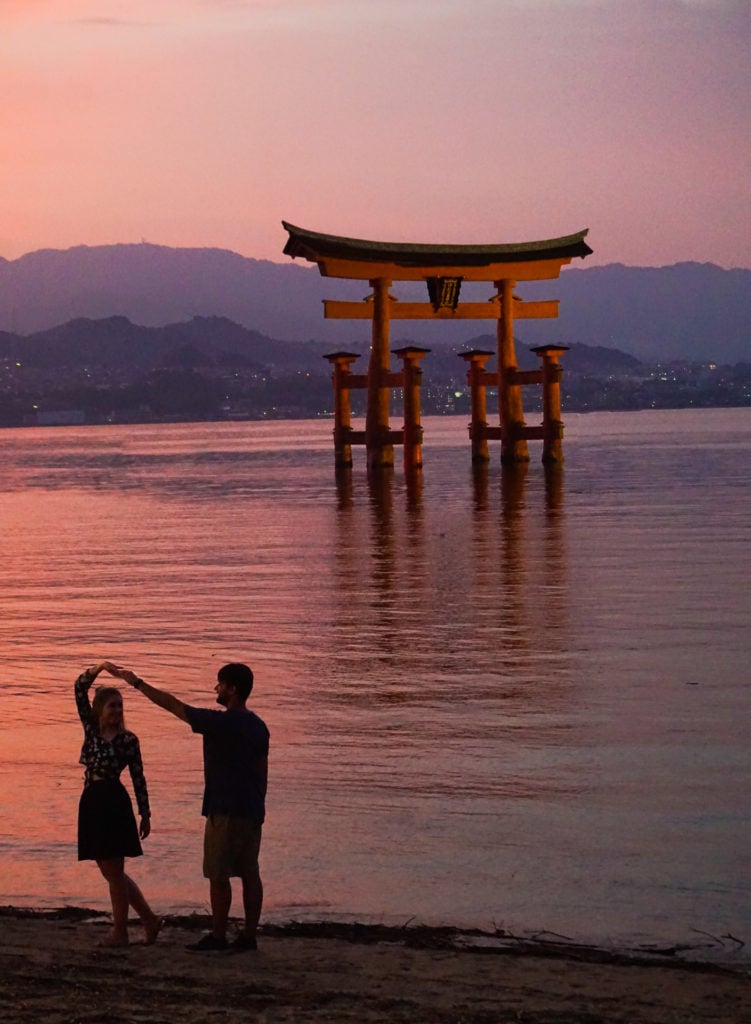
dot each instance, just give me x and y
(242, 943)
(208, 944)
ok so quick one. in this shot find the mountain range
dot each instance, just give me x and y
(119, 346)
(688, 311)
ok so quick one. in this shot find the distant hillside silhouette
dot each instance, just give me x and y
(116, 343)
(112, 370)
(693, 311)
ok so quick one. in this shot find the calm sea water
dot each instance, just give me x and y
(494, 701)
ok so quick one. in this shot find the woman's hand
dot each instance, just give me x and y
(104, 666)
(145, 826)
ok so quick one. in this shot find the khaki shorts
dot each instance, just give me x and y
(230, 847)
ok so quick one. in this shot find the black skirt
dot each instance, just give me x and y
(106, 823)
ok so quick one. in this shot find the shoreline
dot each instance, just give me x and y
(53, 971)
(681, 956)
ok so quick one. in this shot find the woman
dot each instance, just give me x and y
(107, 831)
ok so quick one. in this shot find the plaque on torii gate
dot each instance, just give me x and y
(443, 268)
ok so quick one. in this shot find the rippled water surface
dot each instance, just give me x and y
(494, 700)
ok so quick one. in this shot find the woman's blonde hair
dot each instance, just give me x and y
(101, 695)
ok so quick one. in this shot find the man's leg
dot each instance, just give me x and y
(220, 892)
(216, 867)
(252, 902)
(252, 885)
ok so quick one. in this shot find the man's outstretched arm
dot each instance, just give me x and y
(161, 698)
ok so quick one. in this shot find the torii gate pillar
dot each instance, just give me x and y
(478, 378)
(379, 445)
(513, 442)
(411, 381)
(552, 426)
(344, 380)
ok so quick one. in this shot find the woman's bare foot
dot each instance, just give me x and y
(115, 940)
(151, 929)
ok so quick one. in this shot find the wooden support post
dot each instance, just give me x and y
(340, 377)
(513, 443)
(477, 381)
(552, 441)
(412, 376)
(553, 489)
(377, 439)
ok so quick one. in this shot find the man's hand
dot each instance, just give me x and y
(127, 676)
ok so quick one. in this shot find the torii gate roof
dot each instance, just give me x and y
(338, 256)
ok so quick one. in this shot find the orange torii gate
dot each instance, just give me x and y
(443, 268)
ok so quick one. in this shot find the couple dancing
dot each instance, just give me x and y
(235, 756)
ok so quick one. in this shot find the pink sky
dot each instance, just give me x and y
(205, 122)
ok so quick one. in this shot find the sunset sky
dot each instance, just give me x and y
(205, 122)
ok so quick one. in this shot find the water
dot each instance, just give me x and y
(520, 703)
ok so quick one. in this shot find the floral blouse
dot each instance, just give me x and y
(106, 759)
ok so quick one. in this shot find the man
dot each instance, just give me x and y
(235, 761)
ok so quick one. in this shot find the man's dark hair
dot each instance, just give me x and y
(238, 676)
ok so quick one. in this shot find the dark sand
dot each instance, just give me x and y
(52, 971)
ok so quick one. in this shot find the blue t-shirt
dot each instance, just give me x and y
(235, 757)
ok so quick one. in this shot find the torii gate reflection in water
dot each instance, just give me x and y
(443, 268)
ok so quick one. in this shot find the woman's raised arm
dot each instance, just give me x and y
(83, 685)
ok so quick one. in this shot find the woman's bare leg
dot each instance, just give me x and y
(114, 872)
(151, 923)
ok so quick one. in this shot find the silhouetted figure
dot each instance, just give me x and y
(107, 831)
(235, 760)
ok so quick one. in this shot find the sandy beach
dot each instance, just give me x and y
(53, 969)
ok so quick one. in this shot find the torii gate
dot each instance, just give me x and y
(443, 268)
